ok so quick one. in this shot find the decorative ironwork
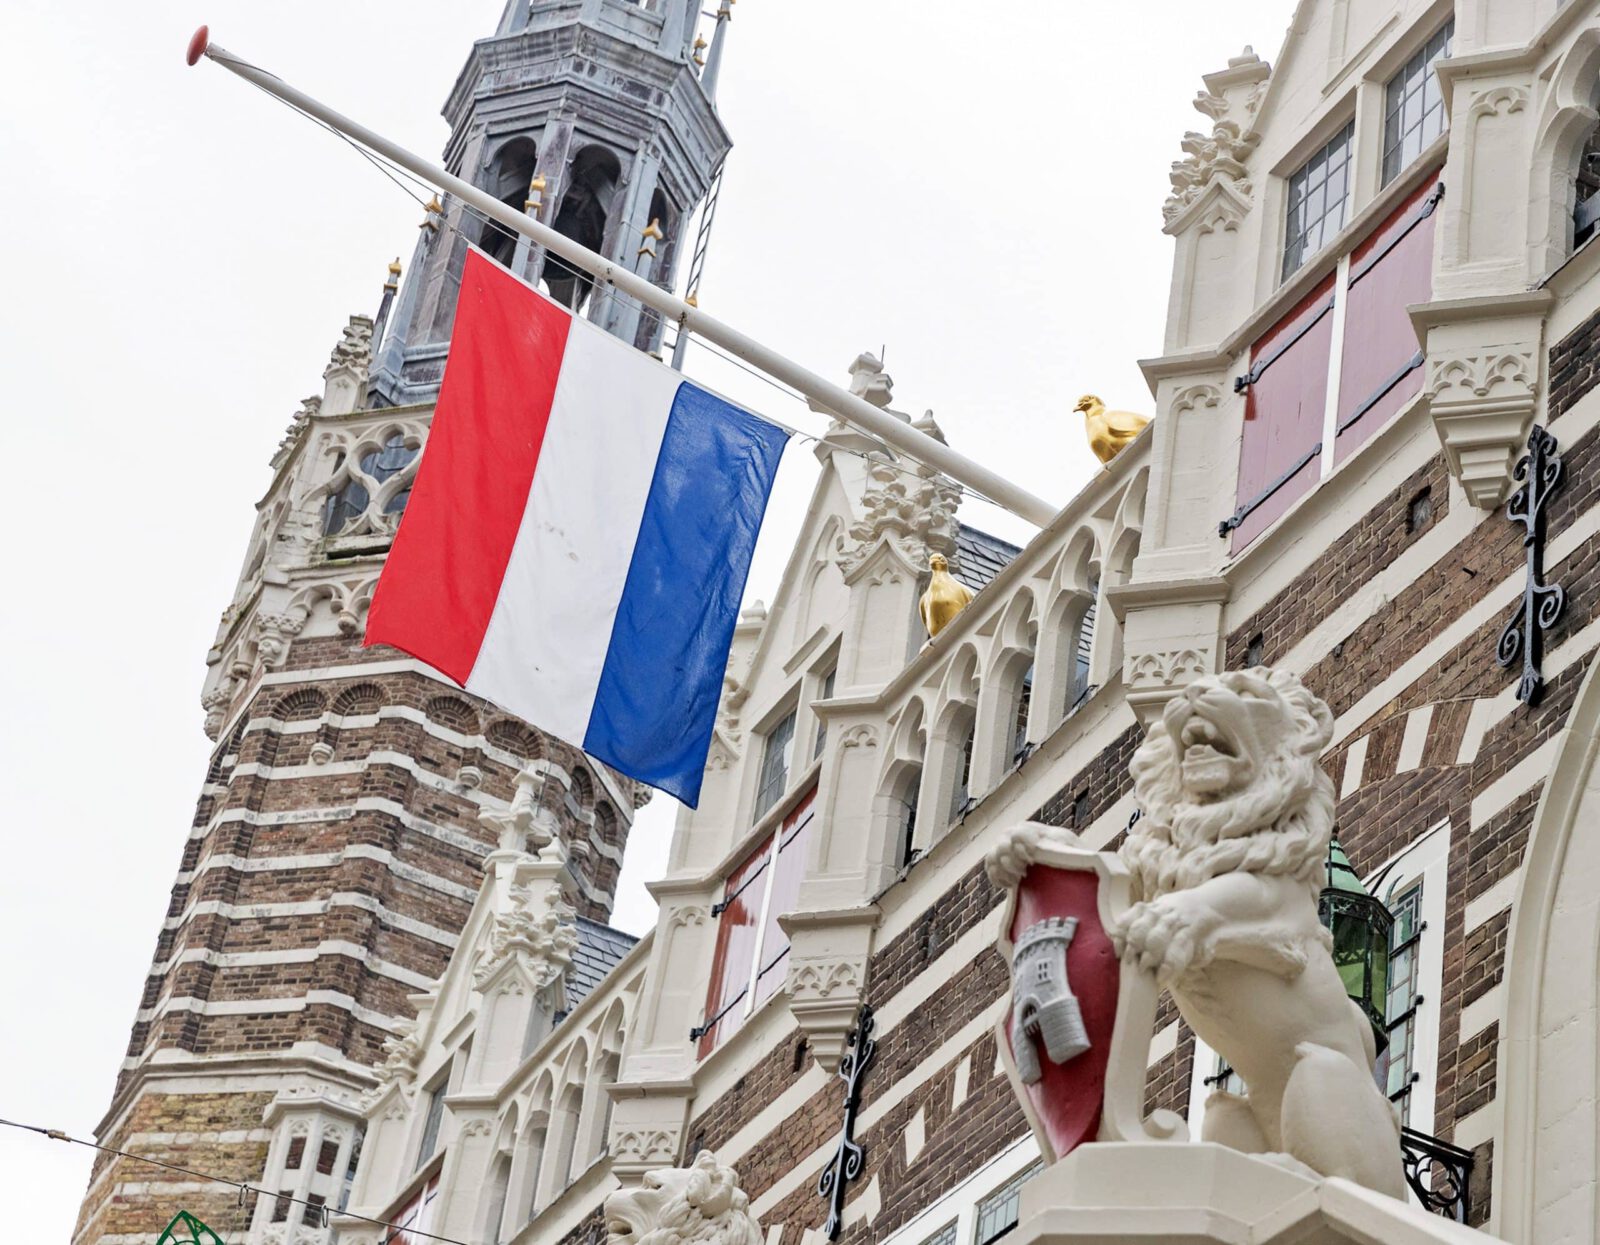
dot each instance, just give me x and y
(185, 1229)
(1438, 1173)
(1541, 471)
(849, 1160)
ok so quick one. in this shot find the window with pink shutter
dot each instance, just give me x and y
(1291, 438)
(1380, 366)
(750, 960)
(1286, 395)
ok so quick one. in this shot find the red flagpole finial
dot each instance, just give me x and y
(198, 43)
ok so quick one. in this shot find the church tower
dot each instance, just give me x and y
(598, 117)
(351, 798)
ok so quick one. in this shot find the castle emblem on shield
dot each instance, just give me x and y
(1076, 1037)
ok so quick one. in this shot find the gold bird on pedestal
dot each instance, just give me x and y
(946, 597)
(1109, 431)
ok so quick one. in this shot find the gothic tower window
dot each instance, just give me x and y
(350, 502)
(583, 215)
(508, 179)
(345, 506)
(1586, 204)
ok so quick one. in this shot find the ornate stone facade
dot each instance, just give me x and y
(847, 865)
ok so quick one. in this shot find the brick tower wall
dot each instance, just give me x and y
(334, 856)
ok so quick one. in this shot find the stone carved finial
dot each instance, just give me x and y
(1044, 1011)
(868, 380)
(539, 927)
(911, 508)
(528, 824)
(1230, 98)
(310, 408)
(345, 377)
(401, 1049)
(701, 1204)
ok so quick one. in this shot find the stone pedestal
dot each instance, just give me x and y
(1159, 1194)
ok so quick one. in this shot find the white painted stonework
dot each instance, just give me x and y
(701, 1204)
(1016, 700)
(1189, 1195)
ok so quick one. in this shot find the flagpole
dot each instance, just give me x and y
(852, 409)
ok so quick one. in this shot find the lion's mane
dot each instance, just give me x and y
(1279, 824)
(708, 1208)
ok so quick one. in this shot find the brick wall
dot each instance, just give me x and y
(203, 1132)
(251, 810)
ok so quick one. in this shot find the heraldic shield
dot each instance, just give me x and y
(1075, 1041)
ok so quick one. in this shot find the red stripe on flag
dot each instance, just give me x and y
(442, 578)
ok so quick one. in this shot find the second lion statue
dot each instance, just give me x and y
(1227, 861)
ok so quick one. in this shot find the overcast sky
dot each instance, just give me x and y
(975, 187)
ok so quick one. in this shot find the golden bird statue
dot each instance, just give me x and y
(946, 597)
(1109, 431)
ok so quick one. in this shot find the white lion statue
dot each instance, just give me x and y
(697, 1205)
(1227, 862)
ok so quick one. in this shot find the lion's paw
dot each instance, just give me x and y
(1018, 849)
(1159, 937)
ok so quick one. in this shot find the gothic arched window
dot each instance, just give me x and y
(344, 506)
(584, 213)
(350, 502)
(508, 180)
(1586, 203)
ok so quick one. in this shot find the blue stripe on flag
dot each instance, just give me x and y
(656, 702)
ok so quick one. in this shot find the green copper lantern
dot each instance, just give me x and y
(1361, 927)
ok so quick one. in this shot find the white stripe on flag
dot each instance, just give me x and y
(546, 642)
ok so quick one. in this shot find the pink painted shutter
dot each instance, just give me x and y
(1381, 365)
(1286, 395)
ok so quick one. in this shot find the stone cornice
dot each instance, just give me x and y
(1207, 590)
(1190, 363)
(1425, 316)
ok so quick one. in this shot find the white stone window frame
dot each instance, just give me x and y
(1425, 859)
(959, 1205)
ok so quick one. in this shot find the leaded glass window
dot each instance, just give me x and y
(430, 1126)
(1319, 198)
(1082, 649)
(998, 1213)
(1404, 946)
(393, 458)
(775, 764)
(944, 1236)
(344, 506)
(1413, 114)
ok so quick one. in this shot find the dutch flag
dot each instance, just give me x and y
(576, 546)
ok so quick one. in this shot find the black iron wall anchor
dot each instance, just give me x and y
(849, 1159)
(1541, 471)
